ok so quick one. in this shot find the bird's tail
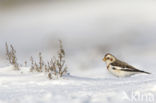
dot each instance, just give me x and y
(145, 72)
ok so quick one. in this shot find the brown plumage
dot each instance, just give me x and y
(120, 68)
(125, 65)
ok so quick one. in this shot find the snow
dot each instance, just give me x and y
(25, 87)
(88, 29)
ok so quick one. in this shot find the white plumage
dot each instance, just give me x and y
(120, 68)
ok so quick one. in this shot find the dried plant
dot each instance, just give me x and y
(46, 68)
(25, 63)
(61, 60)
(11, 56)
(50, 76)
(55, 67)
(38, 67)
(32, 64)
(41, 63)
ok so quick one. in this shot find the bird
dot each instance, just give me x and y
(119, 68)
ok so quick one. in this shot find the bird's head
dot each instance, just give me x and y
(109, 58)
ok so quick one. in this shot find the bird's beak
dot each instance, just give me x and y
(104, 59)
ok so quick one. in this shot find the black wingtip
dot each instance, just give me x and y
(146, 72)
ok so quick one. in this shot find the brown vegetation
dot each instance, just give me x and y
(11, 56)
(54, 68)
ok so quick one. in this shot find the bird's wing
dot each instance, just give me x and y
(124, 66)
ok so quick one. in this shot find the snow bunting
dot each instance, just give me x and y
(120, 68)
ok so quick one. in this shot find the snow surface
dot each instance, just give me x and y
(88, 29)
(25, 87)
